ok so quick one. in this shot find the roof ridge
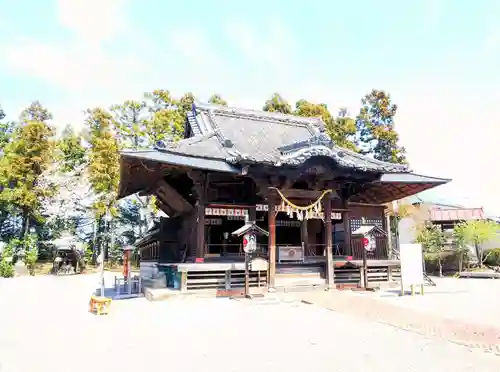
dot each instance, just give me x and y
(281, 118)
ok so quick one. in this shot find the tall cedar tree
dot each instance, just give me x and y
(26, 157)
(72, 153)
(103, 160)
(375, 125)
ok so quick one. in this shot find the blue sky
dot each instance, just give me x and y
(437, 58)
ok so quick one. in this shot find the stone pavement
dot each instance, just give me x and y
(46, 327)
(361, 304)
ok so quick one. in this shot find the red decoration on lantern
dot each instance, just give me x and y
(245, 241)
(366, 242)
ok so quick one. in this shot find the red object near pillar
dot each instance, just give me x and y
(126, 258)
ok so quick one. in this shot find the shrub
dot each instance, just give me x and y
(492, 257)
(30, 253)
(30, 259)
(6, 269)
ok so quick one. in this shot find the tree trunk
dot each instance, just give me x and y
(479, 255)
(460, 261)
(440, 268)
(26, 224)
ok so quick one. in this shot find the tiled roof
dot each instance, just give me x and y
(241, 136)
(460, 214)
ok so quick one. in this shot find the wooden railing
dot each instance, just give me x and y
(311, 250)
(230, 250)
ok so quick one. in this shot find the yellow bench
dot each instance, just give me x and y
(99, 305)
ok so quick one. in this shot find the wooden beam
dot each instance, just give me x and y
(303, 194)
(165, 208)
(170, 196)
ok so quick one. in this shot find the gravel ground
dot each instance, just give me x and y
(46, 327)
(469, 300)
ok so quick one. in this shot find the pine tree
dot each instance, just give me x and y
(27, 156)
(375, 125)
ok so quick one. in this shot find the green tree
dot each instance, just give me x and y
(277, 104)
(185, 104)
(131, 118)
(103, 171)
(28, 155)
(103, 159)
(477, 233)
(375, 127)
(166, 122)
(432, 239)
(461, 244)
(340, 129)
(72, 153)
(6, 130)
(216, 99)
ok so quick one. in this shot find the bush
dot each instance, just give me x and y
(30, 253)
(30, 259)
(6, 269)
(492, 257)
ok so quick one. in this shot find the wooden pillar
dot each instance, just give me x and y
(252, 213)
(328, 242)
(347, 228)
(387, 226)
(199, 187)
(304, 236)
(271, 245)
(200, 229)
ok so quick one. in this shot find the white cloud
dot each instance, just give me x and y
(80, 65)
(70, 66)
(93, 21)
(270, 50)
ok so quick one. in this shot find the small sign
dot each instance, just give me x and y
(258, 264)
(411, 264)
